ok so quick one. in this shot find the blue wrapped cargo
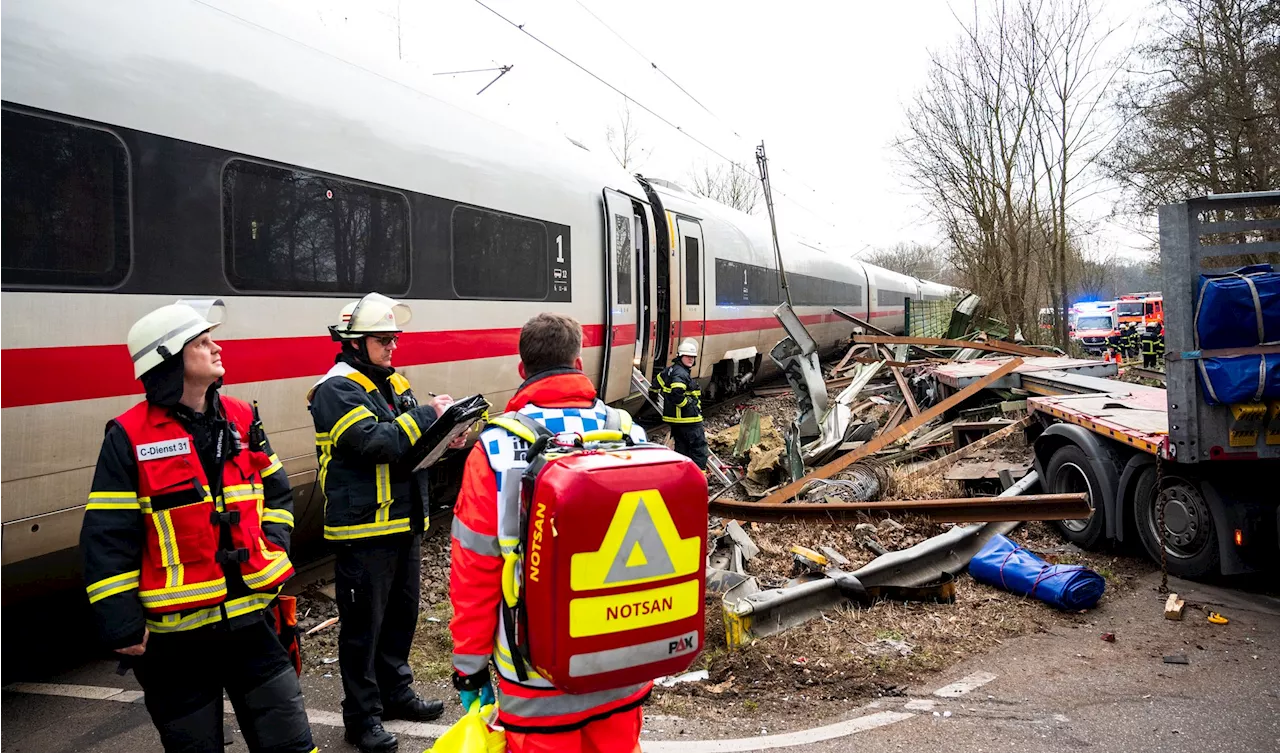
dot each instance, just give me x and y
(1240, 309)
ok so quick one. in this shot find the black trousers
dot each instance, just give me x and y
(377, 586)
(183, 676)
(691, 441)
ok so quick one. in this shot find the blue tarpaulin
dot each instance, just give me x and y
(1006, 565)
(1238, 310)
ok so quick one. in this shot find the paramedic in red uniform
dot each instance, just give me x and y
(537, 717)
(367, 424)
(186, 544)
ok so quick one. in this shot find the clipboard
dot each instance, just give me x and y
(456, 421)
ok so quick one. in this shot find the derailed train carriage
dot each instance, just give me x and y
(156, 150)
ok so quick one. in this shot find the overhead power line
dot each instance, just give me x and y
(642, 106)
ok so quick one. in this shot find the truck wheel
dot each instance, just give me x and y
(1190, 538)
(1068, 472)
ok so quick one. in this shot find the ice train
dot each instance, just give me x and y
(156, 150)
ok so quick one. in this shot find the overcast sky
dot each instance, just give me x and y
(824, 84)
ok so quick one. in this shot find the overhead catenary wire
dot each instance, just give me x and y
(662, 119)
(694, 99)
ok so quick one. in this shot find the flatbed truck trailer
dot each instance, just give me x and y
(1199, 481)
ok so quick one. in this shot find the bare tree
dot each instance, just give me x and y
(1203, 114)
(625, 142)
(1000, 142)
(731, 185)
(914, 259)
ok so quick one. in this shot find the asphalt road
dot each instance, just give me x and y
(1056, 691)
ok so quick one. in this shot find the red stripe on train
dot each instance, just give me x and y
(87, 372)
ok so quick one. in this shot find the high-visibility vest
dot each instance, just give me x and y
(182, 561)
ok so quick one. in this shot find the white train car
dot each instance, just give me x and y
(156, 150)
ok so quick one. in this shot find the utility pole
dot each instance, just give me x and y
(763, 162)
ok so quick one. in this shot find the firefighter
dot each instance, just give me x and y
(1149, 347)
(537, 717)
(186, 544)
(1160, 345)
(682, 404)
(1131, 341)
(368, 423)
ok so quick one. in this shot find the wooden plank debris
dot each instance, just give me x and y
(868, 326)
(886, 438)
(942, 342)
(909, 398)
(1173, 607)
(943, 463)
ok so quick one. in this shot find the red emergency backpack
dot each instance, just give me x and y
(613, 548)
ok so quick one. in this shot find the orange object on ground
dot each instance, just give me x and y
(618, 733)
(284, 616)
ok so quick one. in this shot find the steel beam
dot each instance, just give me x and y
(964, 510)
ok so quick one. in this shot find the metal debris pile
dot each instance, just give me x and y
(893, 415)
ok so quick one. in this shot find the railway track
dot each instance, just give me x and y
(1146, 373)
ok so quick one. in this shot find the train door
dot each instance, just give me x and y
(620, 298)
(645, 235)
(692, 288)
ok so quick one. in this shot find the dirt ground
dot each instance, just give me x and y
(849, 655)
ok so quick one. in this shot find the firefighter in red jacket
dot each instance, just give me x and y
(186, 544)
(537, 717)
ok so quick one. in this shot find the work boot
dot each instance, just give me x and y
(414, 710)
(372, 738)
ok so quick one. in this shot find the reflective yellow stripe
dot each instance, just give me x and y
(172, 623)
(168, 549)
(365, 530)
(113, 585)
(382, 480)
(275, 466)
(502, 658)
(272, 515)
(410, 427)
(242, 492)
(694, 420)
(352, 417)
(361, 380)
(515, 427)
(167, 597)
(680, 385)
(112, 501)
(399, 384)
(264, 577)
(624, 421)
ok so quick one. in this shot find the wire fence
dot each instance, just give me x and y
(929, 318)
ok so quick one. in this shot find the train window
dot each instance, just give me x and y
(622, 262)
(499, 256)
(287, 229)
(66, 204)
(692, 270)
(739, 284)
(886, 297)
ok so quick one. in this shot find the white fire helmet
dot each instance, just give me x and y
(373, 314)
(688, 347)
(163, 333)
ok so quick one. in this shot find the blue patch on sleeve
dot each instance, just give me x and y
(555, 425)
(493, 447)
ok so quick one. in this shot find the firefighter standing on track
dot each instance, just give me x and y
(185, 544)
(367, 423)
(682, 404)
(1149, 347)
(538, 718)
